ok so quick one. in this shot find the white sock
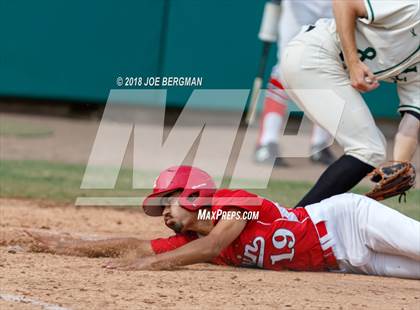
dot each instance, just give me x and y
(320, 137)
(272, 123)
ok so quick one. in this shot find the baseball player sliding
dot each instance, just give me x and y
(294, 14)
(369, 40)
(346, 233)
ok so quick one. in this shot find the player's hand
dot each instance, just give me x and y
(144, 263)
(55, 244)
(362, 78)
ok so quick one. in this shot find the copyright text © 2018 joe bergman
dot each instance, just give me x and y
(168, 81)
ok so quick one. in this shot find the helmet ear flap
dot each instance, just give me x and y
(195, 199)
(193, 196)
(188, 199)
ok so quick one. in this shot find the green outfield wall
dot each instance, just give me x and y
(75, 50)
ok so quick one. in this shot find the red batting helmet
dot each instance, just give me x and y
(196, 185)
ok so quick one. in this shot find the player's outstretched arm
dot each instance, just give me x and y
(200, 250)
(114, 247)
(346, 12)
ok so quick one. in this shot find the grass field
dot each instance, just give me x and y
(59, 182)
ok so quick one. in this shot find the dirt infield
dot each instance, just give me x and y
(44, 281)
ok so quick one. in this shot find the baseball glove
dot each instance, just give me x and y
(392, 178)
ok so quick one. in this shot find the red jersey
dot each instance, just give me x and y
(280, 239)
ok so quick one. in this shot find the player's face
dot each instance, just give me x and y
(175, 216)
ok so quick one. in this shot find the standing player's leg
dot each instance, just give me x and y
(275, 107)
(275, 102)
(320, 152)
(408, 91)
(294, 16)
(272, 120)
(312, 61)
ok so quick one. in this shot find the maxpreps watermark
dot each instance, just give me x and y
(220, 214)
(155, 146)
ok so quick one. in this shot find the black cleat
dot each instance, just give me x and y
(266, 154)
(324, 157)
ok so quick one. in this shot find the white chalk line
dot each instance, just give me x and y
(26, 300)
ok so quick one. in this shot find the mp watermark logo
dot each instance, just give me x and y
(129, 132)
